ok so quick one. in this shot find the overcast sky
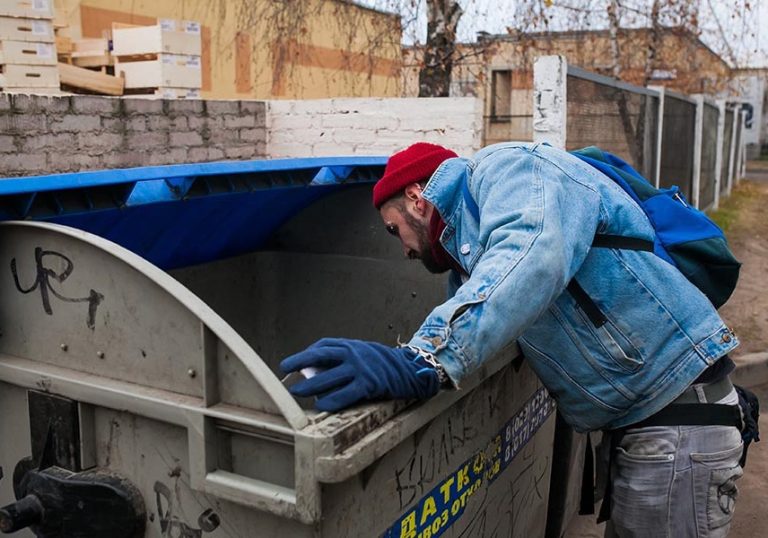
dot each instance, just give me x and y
(724, 28)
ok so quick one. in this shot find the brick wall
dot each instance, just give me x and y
(372, 126)
(44, 135)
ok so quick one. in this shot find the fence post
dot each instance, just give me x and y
(719, 157)
(732, 152)
(659, 133)
(740, 114)
(697, 141)
(743, 146)
(549, 100)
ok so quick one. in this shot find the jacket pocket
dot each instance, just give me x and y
(615, 344)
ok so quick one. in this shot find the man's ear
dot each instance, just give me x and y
(413, 192)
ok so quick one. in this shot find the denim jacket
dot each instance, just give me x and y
(540, 209)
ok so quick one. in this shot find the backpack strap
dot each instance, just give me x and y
(582, 298)
(623, 242)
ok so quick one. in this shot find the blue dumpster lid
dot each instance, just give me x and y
(179, 215)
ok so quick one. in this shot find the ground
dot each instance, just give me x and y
(744, 217)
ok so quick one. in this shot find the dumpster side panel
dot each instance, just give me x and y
(105, 317)
(99, 317)
(155, 457)
(15, 445)
(481, 469)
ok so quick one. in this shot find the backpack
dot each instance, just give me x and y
(685, 237)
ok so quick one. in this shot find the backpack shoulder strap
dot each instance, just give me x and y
(623, 242)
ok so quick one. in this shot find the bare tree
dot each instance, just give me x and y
(435, 74)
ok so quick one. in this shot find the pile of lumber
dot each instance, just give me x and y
(27, 51)
(37, 56)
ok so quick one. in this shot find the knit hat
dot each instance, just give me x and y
(411, 165)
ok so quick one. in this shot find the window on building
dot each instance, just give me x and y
(501, 95)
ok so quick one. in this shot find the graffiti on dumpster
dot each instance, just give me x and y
(442, 506)
(43, 283)
(172, 526)
(432, 461)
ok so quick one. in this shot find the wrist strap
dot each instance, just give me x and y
(429, 358)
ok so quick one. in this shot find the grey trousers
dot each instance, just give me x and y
(675, 481)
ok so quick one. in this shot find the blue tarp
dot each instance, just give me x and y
(180, 215)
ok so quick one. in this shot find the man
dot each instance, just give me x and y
(620, 338)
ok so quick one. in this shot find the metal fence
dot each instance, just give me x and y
(677, 143)
(617, 117)
(672, 139)
(708, 171)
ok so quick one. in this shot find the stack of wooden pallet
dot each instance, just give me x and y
(27, 51)
(92, 53)
(161, 60)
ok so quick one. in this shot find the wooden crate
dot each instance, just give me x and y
(178, 93)
(166, 37)
(80, 79)
(64, 45)
(54, 90)
(31, 9)
(167, 70)
(29, 76)
(17, 29)
(164, 93)
(91, 53)
(27, 53)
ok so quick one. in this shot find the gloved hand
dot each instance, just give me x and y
(359, 371)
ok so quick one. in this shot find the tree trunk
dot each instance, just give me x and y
(435, 74)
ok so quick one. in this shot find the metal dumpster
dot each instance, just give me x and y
(143, 314)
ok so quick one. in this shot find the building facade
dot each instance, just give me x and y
(261, 49)
(499, 69)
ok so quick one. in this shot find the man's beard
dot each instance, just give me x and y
(425, 245)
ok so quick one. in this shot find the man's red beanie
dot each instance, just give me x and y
(411, 165)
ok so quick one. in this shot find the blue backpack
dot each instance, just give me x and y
(685, 236)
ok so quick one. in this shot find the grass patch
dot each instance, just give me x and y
(727, 215)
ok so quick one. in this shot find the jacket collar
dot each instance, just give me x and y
(444, 188)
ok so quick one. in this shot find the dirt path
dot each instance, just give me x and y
(744, 217)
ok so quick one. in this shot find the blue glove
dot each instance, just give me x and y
(357, 371)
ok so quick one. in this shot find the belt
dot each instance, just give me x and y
(713, 392)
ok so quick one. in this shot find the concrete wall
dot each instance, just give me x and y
(372, 126)
(44, 135)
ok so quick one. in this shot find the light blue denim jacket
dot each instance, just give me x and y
(539, 211)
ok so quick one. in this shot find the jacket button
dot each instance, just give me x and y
(436, 341)
(726, 338)
(465, 249)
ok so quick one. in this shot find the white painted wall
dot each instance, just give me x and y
(751, 89)
(372, 126)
